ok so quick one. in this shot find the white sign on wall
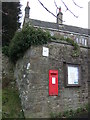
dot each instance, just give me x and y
(28, 66)
(45, 51)
(73, 75)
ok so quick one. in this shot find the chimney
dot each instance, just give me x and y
(59, 17)
(27, 9)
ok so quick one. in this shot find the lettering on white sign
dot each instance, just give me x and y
(45, 51)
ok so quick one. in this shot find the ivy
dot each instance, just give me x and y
(76, 50)
(24, 39)
(28, 36)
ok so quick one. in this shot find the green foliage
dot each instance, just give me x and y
(11, 102)
(28, 36)
(71, 113)
(79, 110)
(66, 113)
(87, 107)
(11, 105)
(5, 50)
(24, 39)
(76, 50)
(53, 115)
(10, 21)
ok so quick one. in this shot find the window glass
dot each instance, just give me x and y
(83, 41)
(77, 40)
(65, 36)
(80, 40)
(73, 75)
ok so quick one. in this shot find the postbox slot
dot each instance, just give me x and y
(53, 73)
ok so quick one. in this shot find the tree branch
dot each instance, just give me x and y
(56, 4)
(49, 10)
(68, 9)
(46, 8)
(76, 4)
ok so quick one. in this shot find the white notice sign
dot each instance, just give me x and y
(53, 80)
(73, 75)
(45, 51)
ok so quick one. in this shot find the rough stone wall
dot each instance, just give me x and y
(32, 76)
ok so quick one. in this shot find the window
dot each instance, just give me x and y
(77, 40)
(72, 75)
(80, 40)
(52, 33)
(85, 42)
(65, 37)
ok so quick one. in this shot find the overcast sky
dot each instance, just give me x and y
(38, 12)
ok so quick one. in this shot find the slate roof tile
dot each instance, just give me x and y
(52, 25)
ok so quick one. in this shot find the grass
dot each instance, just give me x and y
(11, 105)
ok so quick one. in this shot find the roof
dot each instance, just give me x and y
(63, 27)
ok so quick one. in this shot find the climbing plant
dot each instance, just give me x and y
(26, 37)
(76, 50)
(30, 35)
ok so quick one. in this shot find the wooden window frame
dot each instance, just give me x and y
(66, 75)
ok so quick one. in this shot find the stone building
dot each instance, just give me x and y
(33, 73)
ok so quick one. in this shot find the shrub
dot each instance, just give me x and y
(28, 36)
(25, 38)
(76, 50)
(5, 50)
(72, 113)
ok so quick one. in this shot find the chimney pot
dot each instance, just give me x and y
(27, 9)
(27, 3)
(59, 9)
(59, 16)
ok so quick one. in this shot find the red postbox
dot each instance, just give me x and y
(53, 82)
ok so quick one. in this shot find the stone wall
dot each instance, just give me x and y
(32, 76)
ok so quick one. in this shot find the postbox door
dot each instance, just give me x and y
(53, 83)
